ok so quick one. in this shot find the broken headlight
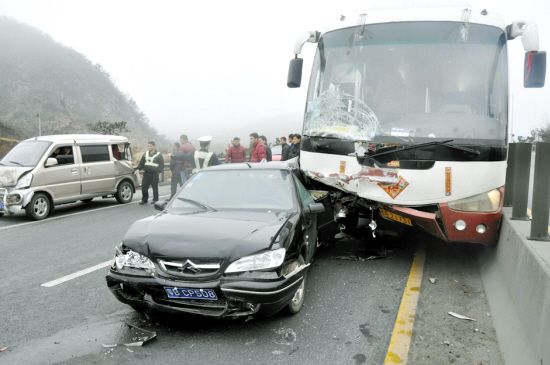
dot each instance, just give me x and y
(483, 203)
(261, 261)
(24, 181)
(125, 258)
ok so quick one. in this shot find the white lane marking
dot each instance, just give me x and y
(75, 275)
(72, 214)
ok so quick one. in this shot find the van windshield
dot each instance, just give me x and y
(25, 154)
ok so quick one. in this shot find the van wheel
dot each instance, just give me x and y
(124, 193)
(39, 207)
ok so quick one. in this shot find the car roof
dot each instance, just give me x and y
(273, 165)
(81, 138)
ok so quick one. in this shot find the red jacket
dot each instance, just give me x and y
(235, 154)
(258, 153)
(187, 147)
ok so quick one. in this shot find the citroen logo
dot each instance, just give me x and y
(190, 266)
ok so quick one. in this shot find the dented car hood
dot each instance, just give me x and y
(10, 174)
(219, 234)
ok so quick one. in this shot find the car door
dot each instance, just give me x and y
(308, 220)
(62, 181)
(97, 170)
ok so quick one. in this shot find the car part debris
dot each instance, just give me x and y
(432, 280)
(2, 349)
(139, 336)
(129, 350)
(460, 316)
(109, 346)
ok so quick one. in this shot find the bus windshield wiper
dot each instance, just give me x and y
(445, 143)
(196, 203)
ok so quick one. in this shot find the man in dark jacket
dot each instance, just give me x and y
(268, 154)
(284, 149)
(175, 168)
(294, 150)
(152, 164)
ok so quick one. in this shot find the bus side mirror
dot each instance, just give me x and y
(295, 73)
(534, 69)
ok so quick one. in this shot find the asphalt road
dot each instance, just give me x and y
(348, 317)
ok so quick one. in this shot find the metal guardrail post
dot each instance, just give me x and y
(509, 184)
(522, 167)
(541, 194)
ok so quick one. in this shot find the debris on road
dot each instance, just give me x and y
(2, 349)
(432, 280)
(127, 349)
(139, 336)
(286, 336)
(460, 316)
(447, 343)
(108, 346)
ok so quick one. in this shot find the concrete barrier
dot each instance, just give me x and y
(516, 275)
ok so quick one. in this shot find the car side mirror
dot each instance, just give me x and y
(316, 208)
(51, 162)
(160, 205)
(534, 69)
(295, 73)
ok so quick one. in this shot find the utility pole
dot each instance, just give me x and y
(39, 125)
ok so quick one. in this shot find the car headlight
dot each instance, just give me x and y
(24, 181)
(132, 259)
(261, 261)
(486, 202)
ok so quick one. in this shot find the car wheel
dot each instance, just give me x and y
(124, 193)
(87, 200)
(39, 207)
(297, 301)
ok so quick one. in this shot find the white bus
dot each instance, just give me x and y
(406, 119)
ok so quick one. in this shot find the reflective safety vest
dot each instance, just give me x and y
(149, 159)
(202, 155)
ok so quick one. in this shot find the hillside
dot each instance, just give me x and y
(41, 76)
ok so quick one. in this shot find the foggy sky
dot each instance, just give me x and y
(199, 67)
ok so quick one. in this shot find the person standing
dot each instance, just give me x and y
(257, 149)
(175, 168)
(294, 150)
(284, 149)
(268, 154)
(235, 153)
(152, 164)
(185, 166)
(203, 157)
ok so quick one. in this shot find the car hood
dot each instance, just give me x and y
(10, 174)
(220, 234)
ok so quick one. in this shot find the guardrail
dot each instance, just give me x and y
(517, 186)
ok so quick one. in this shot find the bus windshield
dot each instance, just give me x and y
(410, 81)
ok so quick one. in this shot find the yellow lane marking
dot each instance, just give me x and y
(530, 215)
(400, 341)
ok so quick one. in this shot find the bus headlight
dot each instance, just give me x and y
(483, 203)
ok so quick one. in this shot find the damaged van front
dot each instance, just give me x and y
(16, 175)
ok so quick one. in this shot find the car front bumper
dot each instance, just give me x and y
(12, 201)
(236, 297)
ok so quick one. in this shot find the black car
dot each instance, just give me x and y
(235, 239)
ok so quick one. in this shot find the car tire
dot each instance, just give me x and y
(39, 207)
(124, 192)
(87, 200)
(297, 301)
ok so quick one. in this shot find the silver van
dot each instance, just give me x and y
(41, 172)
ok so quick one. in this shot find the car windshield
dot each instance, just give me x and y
(26, 154)
(410, 81)
(236, 189)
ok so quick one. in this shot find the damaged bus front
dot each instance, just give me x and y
(407, 115)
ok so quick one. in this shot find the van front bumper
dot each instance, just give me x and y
(12, 200)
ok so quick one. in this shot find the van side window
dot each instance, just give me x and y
(95, 153)
(63, 154)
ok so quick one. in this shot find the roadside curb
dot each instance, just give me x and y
(522, 268)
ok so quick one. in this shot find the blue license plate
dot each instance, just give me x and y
(186, 293)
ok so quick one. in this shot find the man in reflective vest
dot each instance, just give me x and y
(203, 158)
(152, 164)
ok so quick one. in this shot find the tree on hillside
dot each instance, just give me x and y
(104, 127)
